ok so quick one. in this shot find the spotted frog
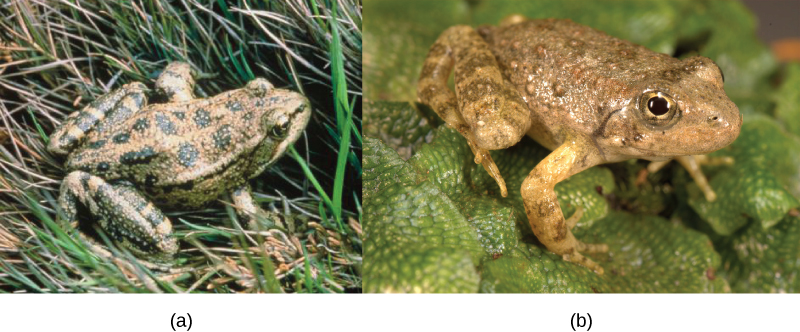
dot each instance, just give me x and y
(589, 97)
(127, 159)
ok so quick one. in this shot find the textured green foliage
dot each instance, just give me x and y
(761, 189)
(404, 218)
(648, 254)
(403, 126)
(448, 164)
(743, 193)
(787, 99)
(423, 269)
(761, 185)
(766, 260)
(762, 143)
(397, 39)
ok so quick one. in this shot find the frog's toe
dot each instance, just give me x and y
(573, 220)
(591, 247)
(253, 215)
(580, 247)
(483, 157)
(259, 87)
(584, 261)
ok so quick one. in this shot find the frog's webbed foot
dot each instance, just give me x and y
(176, 82)
(542, 207)
(486, 109)
(250, 212)
(123, 213)
(575, 256)
(100, 115)
(692, 165)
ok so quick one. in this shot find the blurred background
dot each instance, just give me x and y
(778, 26)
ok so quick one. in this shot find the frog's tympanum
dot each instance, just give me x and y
(587, 96)
(125, 157)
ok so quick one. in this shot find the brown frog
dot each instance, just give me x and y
(126, 159)
(589, 97)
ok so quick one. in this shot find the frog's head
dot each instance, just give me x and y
(282, 116)
(679, 111)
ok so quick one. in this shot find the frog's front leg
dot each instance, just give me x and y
(249, 211)
(541, 203)
(487, 110)
(176, 82)
(101, 114)
(123, 213)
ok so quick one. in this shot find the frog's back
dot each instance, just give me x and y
(182, 152)
(570, 75)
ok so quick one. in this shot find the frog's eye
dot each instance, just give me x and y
(658, 108)
(280, 130)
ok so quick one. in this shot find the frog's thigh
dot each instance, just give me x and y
(541, 203)
(489, 112)
(122, 212)
(249, 211)
(106, 111)
(484, 102)
(176, 82)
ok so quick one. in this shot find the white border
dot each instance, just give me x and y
(377, 312)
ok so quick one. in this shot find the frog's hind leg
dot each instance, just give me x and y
(123, 213)
(542, 207)
(176, 82)
(105, 112)
(250, 212)
(483, 101)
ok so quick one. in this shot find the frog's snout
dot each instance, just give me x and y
(719, 121)
(715, 120)
(726, 125)
(300, 113)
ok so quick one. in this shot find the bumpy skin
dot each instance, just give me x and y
(125, 157)
(589, 97)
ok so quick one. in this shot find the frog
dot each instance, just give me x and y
(126, 160)
(588, 97)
